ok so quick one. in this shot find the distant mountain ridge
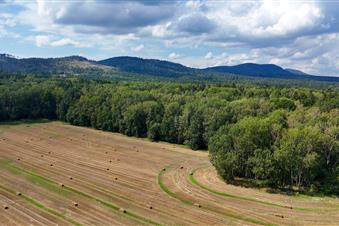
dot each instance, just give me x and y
(78, 65)
(148, 66)
(255, 70)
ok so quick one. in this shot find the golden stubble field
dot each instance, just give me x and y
(57, 174)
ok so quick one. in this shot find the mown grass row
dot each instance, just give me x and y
(195, 182)
(191, 203)
(39, 205)
(67, 190)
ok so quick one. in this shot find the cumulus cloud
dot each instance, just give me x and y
(195, 24)
(174, 56)
(115, 17)
(209, 56)
(49, 40)
(138, 48)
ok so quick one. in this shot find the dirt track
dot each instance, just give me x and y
(62, 166)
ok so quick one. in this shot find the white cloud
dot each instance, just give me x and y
(138, 48)
(209, 56)
(64, 42)
(174, 56)
(42, 40)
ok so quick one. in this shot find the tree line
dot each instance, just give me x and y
(280, 136)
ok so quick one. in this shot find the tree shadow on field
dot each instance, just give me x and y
(26, 121)
(290, 191)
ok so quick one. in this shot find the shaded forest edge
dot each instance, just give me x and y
(282, 137)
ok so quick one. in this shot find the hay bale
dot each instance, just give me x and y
(181, 167)
(278, 215)
(197, 205)
(115, 178)
(51, 164)
(118, 160)
(71, 178)
(18, 159)
(42, 155)
(106, 152)
(122, 210)
(110, 161)
(191, 173)
(107, 169)
(49, 152)
(75, 204)
(164, 169)
(6, 207)
(150, 206)
(62, 185)
(18, 193)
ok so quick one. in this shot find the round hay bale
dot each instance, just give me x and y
(110, 161)
(106, 152)
(197, 205)
(62, 185)
(118, 160)
(71, 178)
(164, 169)
(18, 193)
(181, 167)
(122, 210)
(49, 152)
(191, 173)
(42, 155)
(150, 206)
(115, 178)
(51, 164)
(107, 169)
(18, 159)
(6, 207)
(75, 204)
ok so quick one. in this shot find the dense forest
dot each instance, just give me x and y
(280, 136)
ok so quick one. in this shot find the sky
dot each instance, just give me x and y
(302, 35)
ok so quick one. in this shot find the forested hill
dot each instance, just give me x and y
(149, 66)
(123, 67)
(257, 70)
(72, 65)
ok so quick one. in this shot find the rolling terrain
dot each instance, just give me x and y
(54, 173)
(126, 67)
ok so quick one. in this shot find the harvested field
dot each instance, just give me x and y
(70, 175)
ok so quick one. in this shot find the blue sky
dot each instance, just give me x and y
(294, 34)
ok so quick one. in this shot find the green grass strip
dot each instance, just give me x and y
(67, 190)
(195, 182)
(38, 205)
(189, 202)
